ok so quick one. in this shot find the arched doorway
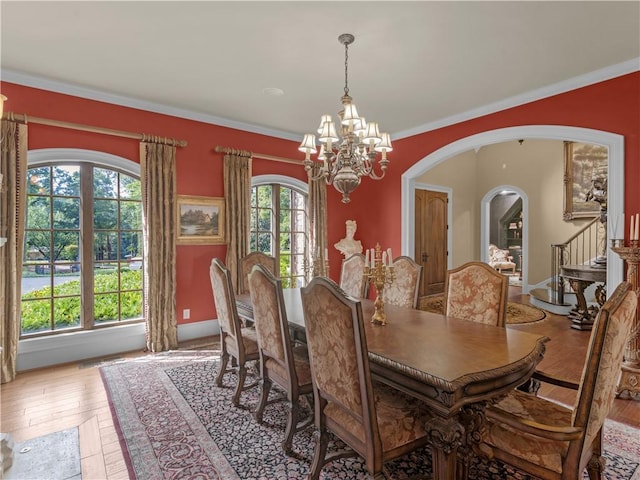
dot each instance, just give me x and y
(613, 142)
(522, 231)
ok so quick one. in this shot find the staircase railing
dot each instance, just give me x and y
(580, 249)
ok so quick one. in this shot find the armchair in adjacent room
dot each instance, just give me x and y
(501, 260)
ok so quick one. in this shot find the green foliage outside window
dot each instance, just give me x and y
(36, 304)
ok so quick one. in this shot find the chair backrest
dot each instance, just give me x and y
(609, 336)
(246, 264)
(224, 299)
(272, 326)
(339, 359)
(404, 290)
(352, 280)
(476, 292)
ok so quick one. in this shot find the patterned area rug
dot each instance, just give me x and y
(174, 423)
(517, 313)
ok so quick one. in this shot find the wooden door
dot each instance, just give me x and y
(431, 239)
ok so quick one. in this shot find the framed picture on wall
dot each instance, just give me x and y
(583, 163)
(200, 220)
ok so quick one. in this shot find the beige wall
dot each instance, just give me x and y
(536, 168)
(465, 225)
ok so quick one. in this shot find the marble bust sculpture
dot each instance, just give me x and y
(348, 246)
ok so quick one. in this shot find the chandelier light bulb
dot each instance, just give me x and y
(351, 154)
(325, 118)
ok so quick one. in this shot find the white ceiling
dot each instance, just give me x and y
(414, 65)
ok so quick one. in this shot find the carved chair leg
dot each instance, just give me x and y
(595, 467)
(292, 423)
(265, 388)
(242, 374)
(319, 454)
(224, 360)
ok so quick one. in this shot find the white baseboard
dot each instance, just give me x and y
(72, 347)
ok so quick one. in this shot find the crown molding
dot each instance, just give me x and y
(574, 83)
(580, 81)
(43, 83)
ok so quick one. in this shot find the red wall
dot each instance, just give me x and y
(612, 106)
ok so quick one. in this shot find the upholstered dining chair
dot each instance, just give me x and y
(238, 342)
(352, 279)
(246, 264)
(552, 441)
(476, 292)
(377, 422)
(405, 288)
(280, 362)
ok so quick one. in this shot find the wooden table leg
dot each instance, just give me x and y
(446, 436)
(582, 316)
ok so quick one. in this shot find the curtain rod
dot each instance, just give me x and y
(257, 155)
(23, 118)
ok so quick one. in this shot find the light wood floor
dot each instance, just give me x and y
(48, 400)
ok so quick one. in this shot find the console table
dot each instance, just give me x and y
(580, 277)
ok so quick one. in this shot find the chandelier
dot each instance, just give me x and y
(348, 158)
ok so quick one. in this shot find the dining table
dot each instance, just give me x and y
(455, 366)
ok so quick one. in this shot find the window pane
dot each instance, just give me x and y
(130, 215)
(131, 246)
(264, 243)
(66, 312)
(66, 213)
(285, 220)
(37, 246)
(285, 242)
(38, 212)
(131, 305)
(66, 246)
(66, 180)
(264, 219)
(285, 197)
(105, 214)
(105, 183)
(298, 220)
(39, 181)
(285, 264)
(131, 279)
(105, 246)
(36, 314)
(298, 200)
(298, 243)
(264, 196)
(106, 308)
(130, 187)
(253, 242)
(105, 278)
(66, 280)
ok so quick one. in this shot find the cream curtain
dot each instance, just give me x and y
(157, 162)
(237, 192)
(13, 165)
(317, 216)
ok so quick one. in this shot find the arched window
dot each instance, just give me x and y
(279, 224)
(83, 249)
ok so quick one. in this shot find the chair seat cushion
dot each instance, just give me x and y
(301, 363)
(401, 418)
(539, 451)
(249, 340)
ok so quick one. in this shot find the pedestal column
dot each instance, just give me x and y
(630, 371)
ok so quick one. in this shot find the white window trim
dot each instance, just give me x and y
(282, 180)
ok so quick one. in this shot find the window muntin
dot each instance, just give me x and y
(83, 258)
(279, 227)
